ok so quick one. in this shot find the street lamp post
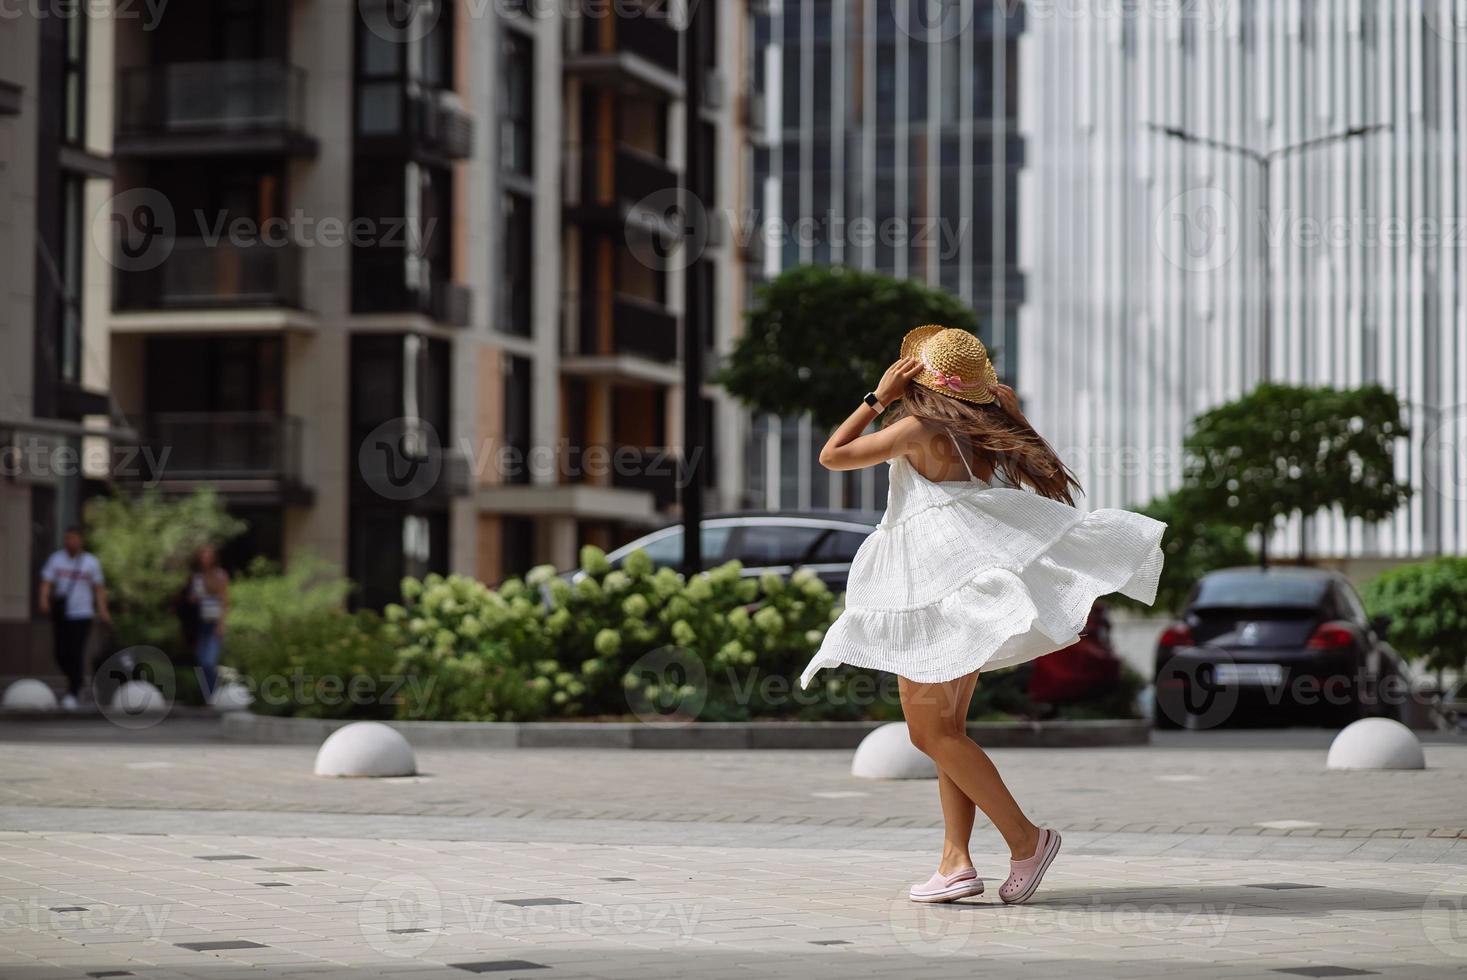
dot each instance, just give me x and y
(692, 462)
(1265, 160)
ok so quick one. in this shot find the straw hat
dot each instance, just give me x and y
(956, 361)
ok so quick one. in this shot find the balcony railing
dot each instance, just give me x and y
(654, 471)
(200, 99)
(381, 284)
(199, 275)
(223, 447)
(614, 176)
(441, 127)
(638, 327)
(623, 28)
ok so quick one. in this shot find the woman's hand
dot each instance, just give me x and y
(1008, 399)
(893, 383)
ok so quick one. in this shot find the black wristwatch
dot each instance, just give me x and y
(874, 402)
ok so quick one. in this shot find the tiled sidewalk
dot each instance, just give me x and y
(79, 904)
(167, 854)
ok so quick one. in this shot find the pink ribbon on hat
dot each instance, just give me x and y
(951, 381)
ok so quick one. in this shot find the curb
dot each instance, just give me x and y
(246, 727)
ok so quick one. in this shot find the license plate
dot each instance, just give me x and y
(1249, 673)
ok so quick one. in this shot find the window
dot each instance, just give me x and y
(762, 545)
(516, 546)
(668, 549)
(71, 278)
(517, 104)
(838, 546)
(518, 246)
(74, 80)
(518, 402)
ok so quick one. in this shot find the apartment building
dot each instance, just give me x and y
(899, 117)
(440, 351)
(55, 136)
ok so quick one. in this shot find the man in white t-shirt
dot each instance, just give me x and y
(73, 592)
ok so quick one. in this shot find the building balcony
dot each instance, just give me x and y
(213, 108)
(429, 126)
(609, 184)
(199, 275)
(244, 456)
(627, 338)
(625, 48)
(381, 284)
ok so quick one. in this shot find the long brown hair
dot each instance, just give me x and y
(1010, 446)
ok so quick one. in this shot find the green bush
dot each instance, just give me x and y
(1427, 603)
(636, 641)
(323, 663)
(144, 543)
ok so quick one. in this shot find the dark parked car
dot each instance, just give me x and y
(1272, 644)
(822, 541)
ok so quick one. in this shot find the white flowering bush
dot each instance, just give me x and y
(542, 647)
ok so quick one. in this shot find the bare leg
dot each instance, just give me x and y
(929, 709)
(957, 810)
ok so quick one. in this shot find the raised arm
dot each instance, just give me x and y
(847, 449)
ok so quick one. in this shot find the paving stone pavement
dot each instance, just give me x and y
(165, 854)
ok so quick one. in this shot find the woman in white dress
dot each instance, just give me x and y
(963, 575)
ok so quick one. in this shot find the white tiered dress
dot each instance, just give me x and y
(962, 575)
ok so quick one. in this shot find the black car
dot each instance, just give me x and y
(1273, 644)
(822, 541)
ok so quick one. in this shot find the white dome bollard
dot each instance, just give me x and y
(29, 694)
(888, 753)
(139, 698)
(1375, 743)
(366, 748)
(231, 697)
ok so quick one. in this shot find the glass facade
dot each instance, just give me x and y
(895, 148)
